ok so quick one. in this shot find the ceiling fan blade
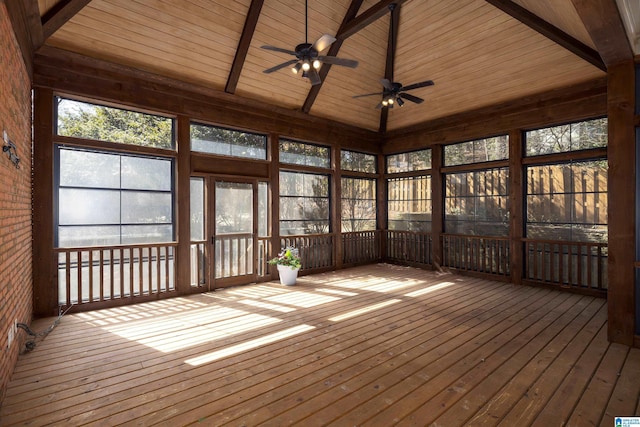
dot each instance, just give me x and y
(379, 106)
(351, 63)
(411, 98)
(417, 85)
(278, 49)
(323, 42)
(367, 94)
(314, 76)
(280, 66)
(387, 84)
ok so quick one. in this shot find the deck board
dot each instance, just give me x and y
(373, 345)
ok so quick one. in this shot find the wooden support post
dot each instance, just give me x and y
(336, 206)
(45, 290)
(183, 223)
(622, 202)
(437, 206)
(382, 204)
(517, 188)
(274, 173)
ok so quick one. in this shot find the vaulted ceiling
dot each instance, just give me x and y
(477, 52)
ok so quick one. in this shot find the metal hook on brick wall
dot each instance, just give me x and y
(10, 148)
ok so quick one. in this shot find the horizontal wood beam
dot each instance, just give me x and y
(551, 32)
(60, 14)
(367, 17)
(577, 102)
(243, 45)
(604, 24)
(75, 74)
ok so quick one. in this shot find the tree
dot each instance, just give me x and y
(102, 123)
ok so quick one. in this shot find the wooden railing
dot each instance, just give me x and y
(480, 254)
(233, 255)
(97, 274)
(360, 247)
(316, 250)
(238, 266)
(409, 246)
(580, 265)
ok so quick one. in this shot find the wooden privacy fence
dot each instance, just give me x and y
(316, 250)
(360, 247)
(580, 265)
(409, 246)
(97, 274)
(476, 253)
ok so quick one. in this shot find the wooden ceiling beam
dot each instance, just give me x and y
(604, 24)
(59, 15)
(367, 17)
(391, 55)
(23, 14)
(352, 11)
(551, 32)
(243, 45)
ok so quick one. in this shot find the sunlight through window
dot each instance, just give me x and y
(363, 310)
(248, 345)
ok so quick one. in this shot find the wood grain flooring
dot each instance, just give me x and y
(377, 345)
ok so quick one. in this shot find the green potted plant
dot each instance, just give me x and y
(288, 264)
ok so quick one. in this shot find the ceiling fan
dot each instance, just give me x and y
(394, 93)
(308, 58)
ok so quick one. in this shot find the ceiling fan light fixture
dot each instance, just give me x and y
(306, 66)
(296, 68)
(317, 64)
(400, 102)
(390, 101)
(385, 102)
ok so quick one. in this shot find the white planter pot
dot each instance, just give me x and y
(287, 274)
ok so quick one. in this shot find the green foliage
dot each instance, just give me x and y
(113, 125)
(288, 257)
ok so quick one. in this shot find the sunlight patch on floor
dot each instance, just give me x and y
(269, 306)
(430, 289)
(248, 345)
(302, 299)
(363, 310)
(200, 327)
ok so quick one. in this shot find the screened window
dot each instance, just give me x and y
(477, 151)
(409, 162)
(358, 162)
(568, 201)
(304, 203)
(110, 199)
(476, 203)
(91, 121)
(197, 208)
(570, 137)
(409, 203)
(300, 153)
(358, 204)
(227, 142)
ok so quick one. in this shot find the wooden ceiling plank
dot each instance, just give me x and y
(391, 54)
(333, 51)
(551, 32)
(243, 45)
(604, 25)
(60, 14)
(365, 18)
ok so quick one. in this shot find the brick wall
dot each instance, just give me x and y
(16, 281)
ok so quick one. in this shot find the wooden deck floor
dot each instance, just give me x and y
(378, 345)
